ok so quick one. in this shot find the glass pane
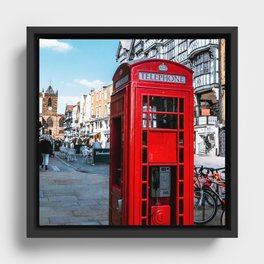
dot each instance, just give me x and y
(163, 104)
(144, 155)
(145, 103)
(181, 172)
(181, 155)
(181, 105)
(181, 206)
(181, 122)
(144, 139)
(181, 189)
(163, 121)
(144, 120)
(144, 173)
(181, 139)
(181, 220)
(144, 209)
(144, 192)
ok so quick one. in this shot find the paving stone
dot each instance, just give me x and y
(70, 205)
(86, 223)
(48, 204)
(74, 197)
(44, 221)
(88, 202)
(45, 199)
(103, 222)
(72, 221)
(54, 212)
(63, 198)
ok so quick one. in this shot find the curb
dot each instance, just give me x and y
(65, 162)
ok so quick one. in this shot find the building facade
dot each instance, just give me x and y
(50, 121)
(85, 115)
(205, 57)
(100, 113)
(72, 122)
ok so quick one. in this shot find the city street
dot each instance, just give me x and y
(76, 193)
(72, 197)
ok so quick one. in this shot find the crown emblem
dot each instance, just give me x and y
(163, 67)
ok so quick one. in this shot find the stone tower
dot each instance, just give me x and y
(50, 121)
(49, 102)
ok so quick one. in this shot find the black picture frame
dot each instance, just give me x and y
(33, 36)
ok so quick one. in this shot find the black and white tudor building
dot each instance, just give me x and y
(203, 56)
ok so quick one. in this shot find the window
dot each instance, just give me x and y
(163, 104)
(163, 121)
(162, 112)
(202, 64)
(61, 122)
(49, 102)
(50, 122)
(169, 50)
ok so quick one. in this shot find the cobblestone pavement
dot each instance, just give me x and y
(209, 161)
(70, 197)
(76, 193)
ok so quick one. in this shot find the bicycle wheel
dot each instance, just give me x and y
(223, 218)
(220, 190)
(205, 206)
(215, 195)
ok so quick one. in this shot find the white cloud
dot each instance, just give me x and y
(55, 45)
(66, 100)
(90, 84)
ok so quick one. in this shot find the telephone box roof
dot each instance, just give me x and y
(132, 64)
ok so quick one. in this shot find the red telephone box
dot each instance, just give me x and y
(151, 153)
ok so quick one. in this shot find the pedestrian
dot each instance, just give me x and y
(46, 150)
(107, 144)
(97, 144)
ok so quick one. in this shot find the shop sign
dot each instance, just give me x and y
(202, 120)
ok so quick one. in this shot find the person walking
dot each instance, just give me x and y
(46, 150)
(97, 144)
(107, 144)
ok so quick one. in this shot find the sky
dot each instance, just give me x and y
(74, 67)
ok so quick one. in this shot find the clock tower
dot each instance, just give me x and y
(49, 102)
(51, 122)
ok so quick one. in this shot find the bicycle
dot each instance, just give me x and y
(205, 205)
(214, 187)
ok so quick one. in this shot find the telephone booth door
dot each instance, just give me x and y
(117, 164)
(162, 129)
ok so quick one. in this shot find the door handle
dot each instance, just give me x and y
(119, 206)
